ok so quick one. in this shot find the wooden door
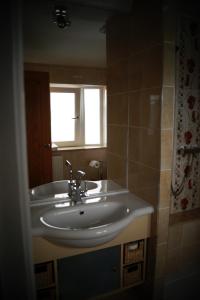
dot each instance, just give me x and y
(37, 99)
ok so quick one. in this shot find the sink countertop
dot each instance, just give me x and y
(104, 187)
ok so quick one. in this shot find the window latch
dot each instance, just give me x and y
(75, 118)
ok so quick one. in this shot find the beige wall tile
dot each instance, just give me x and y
(117, 77)
(136, 140)
(117, 140)
(62, 74)
(183, 247)
(149, 194)
(118, 42)
(165, 188)
(144, 108)
(135, 108)
(152, 67)
(116, 169)
(118, 109)
(173, 261)
(135, 72)
(166, 149)
(144, 146)
(70, 74)
(163, 223)
(161, 259)
(144, 17)
(175, 236)
(169, 64)
(143, 181)
(167, 107)
(191, 233)
(80, 161)
(190, 257)
(142, 71)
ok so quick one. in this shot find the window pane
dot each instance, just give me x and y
(62, 112)
(92, 116)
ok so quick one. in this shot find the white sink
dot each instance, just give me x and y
(55, 189)
(89, 224)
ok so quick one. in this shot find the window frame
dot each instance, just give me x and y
(80, 122)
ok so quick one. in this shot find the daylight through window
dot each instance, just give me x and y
(78, 115)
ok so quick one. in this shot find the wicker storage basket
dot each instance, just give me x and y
(134, 252)
(44, 275)
(132, 274)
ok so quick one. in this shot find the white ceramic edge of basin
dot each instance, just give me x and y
(101, 236)
(86, 243)
(89, 233)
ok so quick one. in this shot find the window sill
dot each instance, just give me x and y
(78, 148)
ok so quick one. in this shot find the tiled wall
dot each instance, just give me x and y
(70, 75)
(134, 97)
(79, 158)
(118, 99)
(140, 103)
(183, 260)
(80, 161)
(183, 244)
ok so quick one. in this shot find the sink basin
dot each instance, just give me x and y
(104, 213)
(86, 225)
(55, 189)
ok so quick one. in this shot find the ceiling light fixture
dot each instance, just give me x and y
(61, 17)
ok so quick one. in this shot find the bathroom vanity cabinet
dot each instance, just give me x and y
(86, 273)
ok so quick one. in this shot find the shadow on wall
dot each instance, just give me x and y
(183, 260)
(187, 288)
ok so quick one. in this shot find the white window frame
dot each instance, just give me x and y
(80, 121)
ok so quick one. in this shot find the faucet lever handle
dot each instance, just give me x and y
(80, 174)
(67, 163)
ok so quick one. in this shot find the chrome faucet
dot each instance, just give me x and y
(76, 192)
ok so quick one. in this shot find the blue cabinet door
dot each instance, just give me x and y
(87, 275)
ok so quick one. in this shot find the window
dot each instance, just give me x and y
(78, 115)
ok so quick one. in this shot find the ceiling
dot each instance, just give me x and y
(81, 44)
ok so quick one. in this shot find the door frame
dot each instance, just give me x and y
(17, 276)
